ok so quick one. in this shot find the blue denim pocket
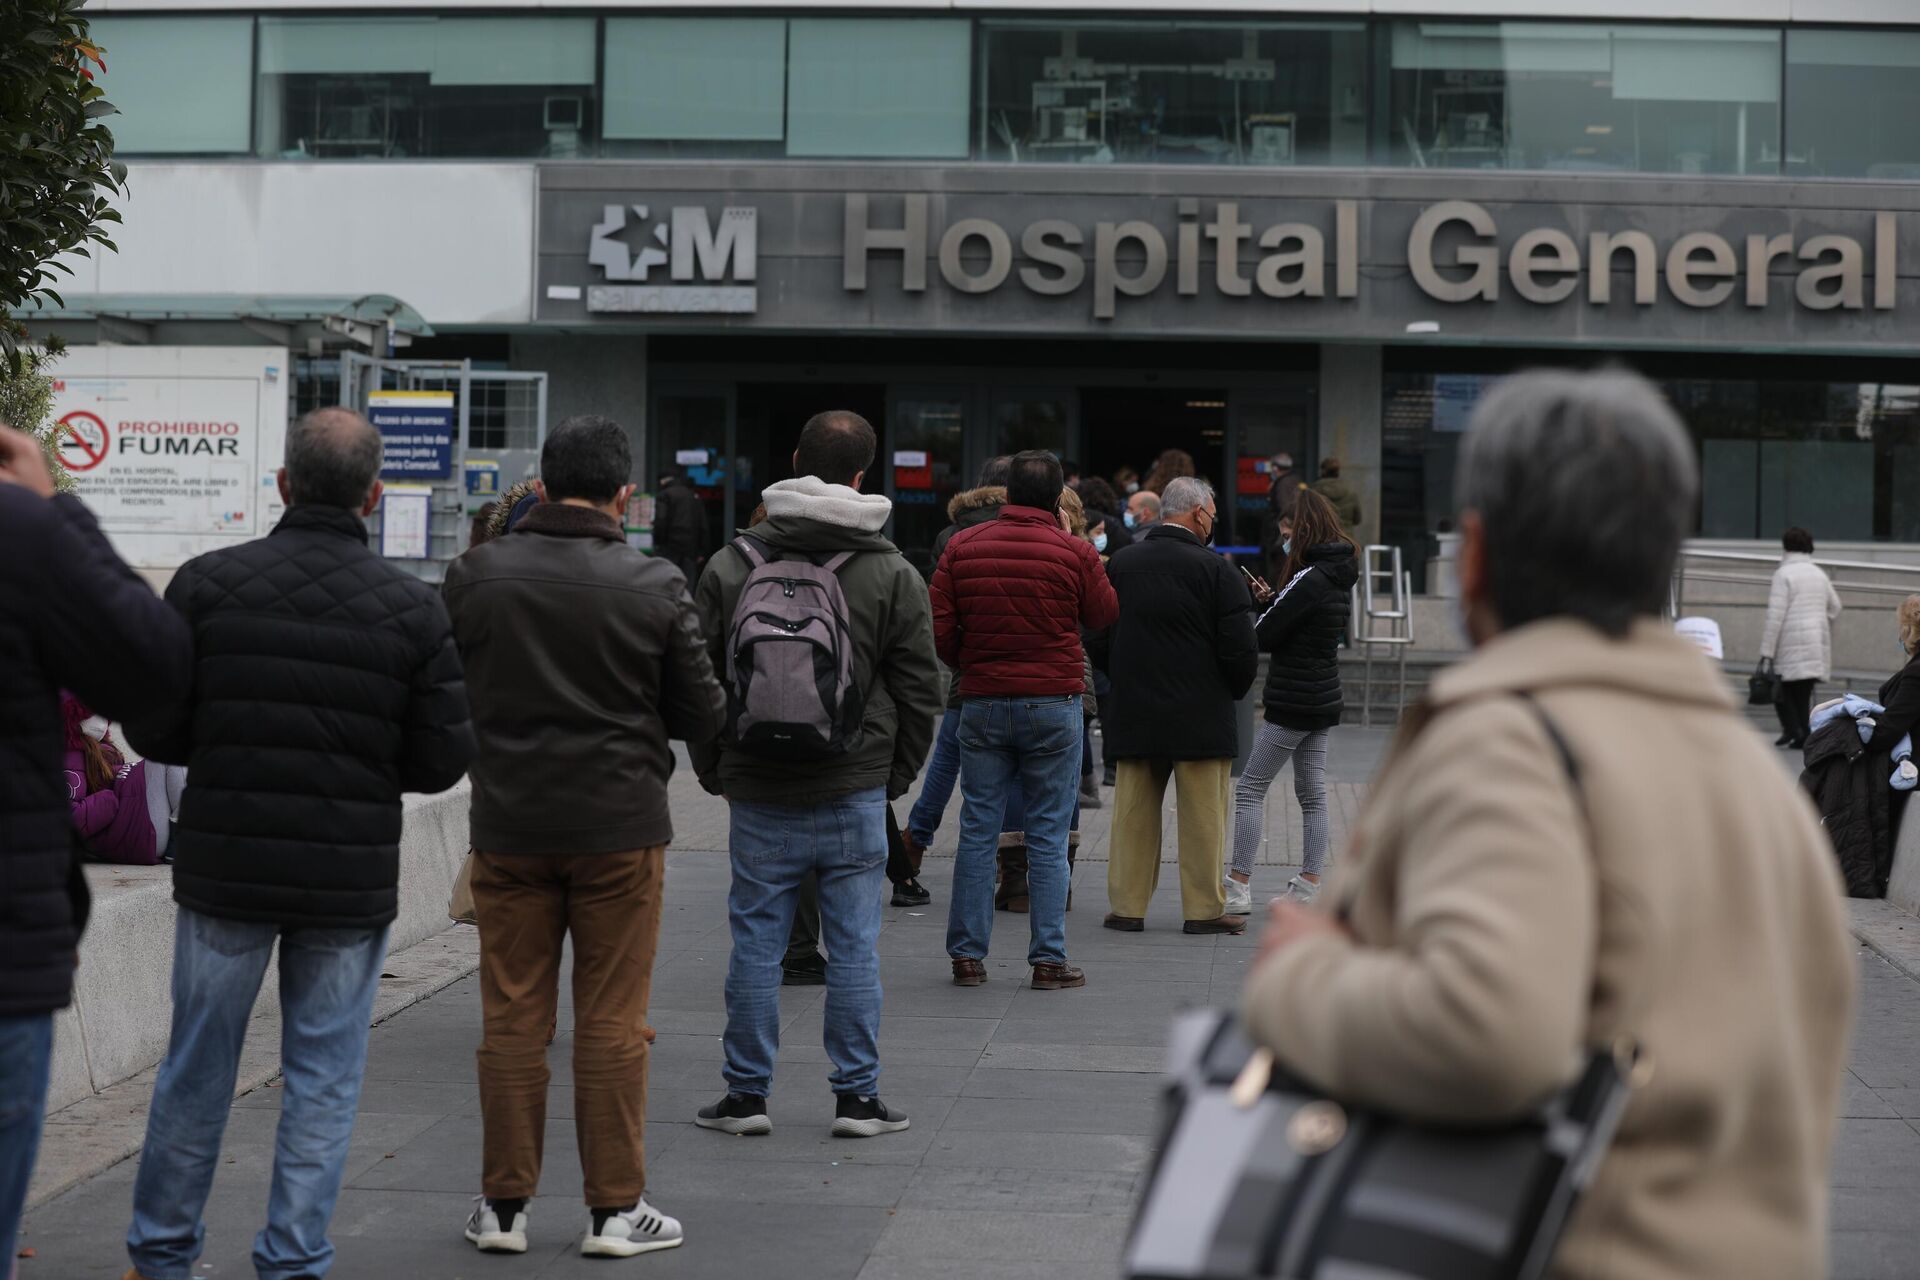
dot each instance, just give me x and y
(759, 834)
(232, 937)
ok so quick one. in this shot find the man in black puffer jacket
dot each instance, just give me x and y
(325, 684)
(72, 616)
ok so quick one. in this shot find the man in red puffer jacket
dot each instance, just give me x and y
(1010, 596)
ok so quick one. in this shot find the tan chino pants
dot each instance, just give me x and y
(1201, 795)
(527, 905)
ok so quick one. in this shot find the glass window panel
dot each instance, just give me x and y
(423, 86)
(1583, 97)
(1173, 93)
(163, 111)
(935, 425)
(722, 79)
(1729, 488)
(1040, 420)
(878, 87)
(1824, 486)
(1852, 97)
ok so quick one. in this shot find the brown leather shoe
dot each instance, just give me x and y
(1219, 924)
(1125, 924)
(1057, 977)
(969, 973)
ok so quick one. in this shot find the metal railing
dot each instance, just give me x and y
(1676, 595)
(1383, 617)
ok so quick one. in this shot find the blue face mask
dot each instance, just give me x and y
(1286, 548)
(1130, 520)
(1100, 540)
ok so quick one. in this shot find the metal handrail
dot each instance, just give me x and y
(1755, 557)
(1860, 588)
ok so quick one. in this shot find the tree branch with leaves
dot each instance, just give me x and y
(57, 178)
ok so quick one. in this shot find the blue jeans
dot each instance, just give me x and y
(1033, 743)
(26, 1053)
(774, 846)
(327, 982)
(936, 788)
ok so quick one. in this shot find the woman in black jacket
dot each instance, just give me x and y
(1299, 626)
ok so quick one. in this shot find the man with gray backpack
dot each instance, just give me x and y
(821, 632)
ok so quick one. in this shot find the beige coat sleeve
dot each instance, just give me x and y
(1475, 1006)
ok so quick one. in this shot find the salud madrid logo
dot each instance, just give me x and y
(712, 269)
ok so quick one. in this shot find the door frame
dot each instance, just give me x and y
(979, 385)
(725, 390)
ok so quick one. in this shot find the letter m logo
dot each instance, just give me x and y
(696, 243)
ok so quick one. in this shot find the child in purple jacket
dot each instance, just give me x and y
(122, 810)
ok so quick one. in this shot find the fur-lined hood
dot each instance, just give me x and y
(503, 507)
(991, 495)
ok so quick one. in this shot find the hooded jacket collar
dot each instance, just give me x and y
(811, 498)
(563, 521)
(978, 503)
(1562, 653)
(318, 516)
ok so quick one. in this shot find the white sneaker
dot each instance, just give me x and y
(484, 1230)
(1239, 898)
(641, 1229)
(1301, 890)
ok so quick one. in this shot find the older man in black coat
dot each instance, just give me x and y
(72, 616)
(1181, 656)
(325, 684)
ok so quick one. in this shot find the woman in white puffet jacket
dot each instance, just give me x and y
(1798, 639)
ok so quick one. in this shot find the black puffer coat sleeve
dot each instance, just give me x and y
(1234, 642)
(438, 744)
(103, 633)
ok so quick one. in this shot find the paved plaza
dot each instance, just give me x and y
(1032, 1111)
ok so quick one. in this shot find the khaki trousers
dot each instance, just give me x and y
(527, 905)
(1201, 791)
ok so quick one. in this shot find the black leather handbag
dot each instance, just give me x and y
(1260, 1175)
(1763, 686)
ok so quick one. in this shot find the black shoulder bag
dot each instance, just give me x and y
(1260, 1175)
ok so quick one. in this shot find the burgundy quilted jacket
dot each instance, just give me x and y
(1009, 599)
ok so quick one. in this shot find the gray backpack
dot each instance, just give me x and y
(789, 673)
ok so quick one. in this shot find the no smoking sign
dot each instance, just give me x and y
(83, 445)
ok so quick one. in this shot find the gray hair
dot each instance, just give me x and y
(1585, 483)
(333, 458)
(1184, 494)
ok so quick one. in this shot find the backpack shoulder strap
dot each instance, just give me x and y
(834, 563)
(750, 550)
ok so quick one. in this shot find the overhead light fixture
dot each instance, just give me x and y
(1600, 130)
(1206, 404)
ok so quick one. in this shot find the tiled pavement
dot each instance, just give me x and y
(1031, 1113)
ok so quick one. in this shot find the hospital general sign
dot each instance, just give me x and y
(1453, 255)
(1348, 255)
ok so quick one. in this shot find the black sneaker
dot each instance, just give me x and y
(736, 1113)
(808, 971)
(911, 893)
(857, 1116)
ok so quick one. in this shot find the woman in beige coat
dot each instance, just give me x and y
(1496, 917)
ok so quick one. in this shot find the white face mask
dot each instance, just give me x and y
(1100, 540)
(1133, 486)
